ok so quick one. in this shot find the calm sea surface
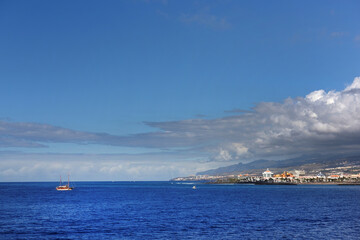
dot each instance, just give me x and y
(165, 210)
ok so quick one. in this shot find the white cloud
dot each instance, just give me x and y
(355, 84)
(229, 151)
(320, 122)
(316, 95)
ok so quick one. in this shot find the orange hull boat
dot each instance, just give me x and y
(64, 187)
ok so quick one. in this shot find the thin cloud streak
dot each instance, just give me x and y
(205, 18)
(237, 111)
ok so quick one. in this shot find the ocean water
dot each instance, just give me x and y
(166, 210)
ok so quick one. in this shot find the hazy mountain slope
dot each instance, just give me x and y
(309, 163)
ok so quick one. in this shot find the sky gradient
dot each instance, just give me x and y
(150, 90)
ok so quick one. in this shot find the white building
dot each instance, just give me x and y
(298, 173)
(320, 175)
(267, 174)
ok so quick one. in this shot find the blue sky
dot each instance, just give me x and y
(113, 85)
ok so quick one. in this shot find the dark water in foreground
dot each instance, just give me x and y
(162, 210)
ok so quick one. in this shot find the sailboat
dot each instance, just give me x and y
(64, 187)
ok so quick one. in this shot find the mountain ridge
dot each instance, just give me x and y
(308, 163)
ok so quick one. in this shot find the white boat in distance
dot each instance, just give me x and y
(64, 187)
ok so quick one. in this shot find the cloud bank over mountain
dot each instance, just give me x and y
(319, 122)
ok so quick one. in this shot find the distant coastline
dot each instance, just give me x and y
(295, 177)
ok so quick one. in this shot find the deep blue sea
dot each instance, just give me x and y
(166, 210)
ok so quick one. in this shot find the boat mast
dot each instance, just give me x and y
(60, 180)
(68, 181)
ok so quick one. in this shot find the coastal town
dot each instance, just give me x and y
(286, 177)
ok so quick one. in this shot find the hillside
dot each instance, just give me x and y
(310, 164)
